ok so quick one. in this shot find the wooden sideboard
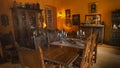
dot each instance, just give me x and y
(94, 27)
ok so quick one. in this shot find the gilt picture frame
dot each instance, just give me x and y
(76, 19)
(93, 18)
(4, 20)
(68, 13)
(92, 7)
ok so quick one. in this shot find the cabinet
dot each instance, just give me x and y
(115, 27)
(26, 23)
(51, 17)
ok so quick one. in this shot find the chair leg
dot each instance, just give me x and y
(95, 55)
(60, 66)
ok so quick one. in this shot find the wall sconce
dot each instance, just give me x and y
(60, 14)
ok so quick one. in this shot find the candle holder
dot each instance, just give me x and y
(62, 36)
(81, 35)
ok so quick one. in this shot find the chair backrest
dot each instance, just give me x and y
(31, 58)
(7, 39)
(7, 46)
(94, 47)
(86, 53)
(52, 36)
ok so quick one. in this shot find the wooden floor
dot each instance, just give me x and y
(10, 65)
(107, 57)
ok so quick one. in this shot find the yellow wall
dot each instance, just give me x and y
(104, 7)
(5, 9)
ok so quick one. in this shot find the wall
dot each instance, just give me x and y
(4, 8)
(77, 7)
(104, 7)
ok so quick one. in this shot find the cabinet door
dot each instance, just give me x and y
(31, 27)
(115, 29)
(23, 28)
(16, 25)
(51, 17)
(25, 24)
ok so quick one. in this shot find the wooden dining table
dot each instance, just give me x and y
(61, 55)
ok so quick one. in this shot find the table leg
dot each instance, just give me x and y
(60, 66)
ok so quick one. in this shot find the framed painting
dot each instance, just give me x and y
(68, 17)
(92, 7)
(4, 20)
(67, 13)
(93, 19)
(76, 19)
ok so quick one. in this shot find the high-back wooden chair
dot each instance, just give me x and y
(31, 58)
(89, 52)
(94, 47)
(8, 49)
(83, 59)
(86, 53)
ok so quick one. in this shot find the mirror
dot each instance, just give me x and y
(93, 19)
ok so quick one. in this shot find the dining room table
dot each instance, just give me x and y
(70, 42)
(62, 54)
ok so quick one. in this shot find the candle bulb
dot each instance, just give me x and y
(83, 33)
(62, 32)
(77, 33)
(66, 34)
(80, 32)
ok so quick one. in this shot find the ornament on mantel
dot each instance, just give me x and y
(14, 3)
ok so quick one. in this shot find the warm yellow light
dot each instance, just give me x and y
(60, 14)
(44, 25)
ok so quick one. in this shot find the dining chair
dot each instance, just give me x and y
(92, 49)
(8, 49)
(94, 45)
(83, 60)
(86, 54)
(32, 58)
